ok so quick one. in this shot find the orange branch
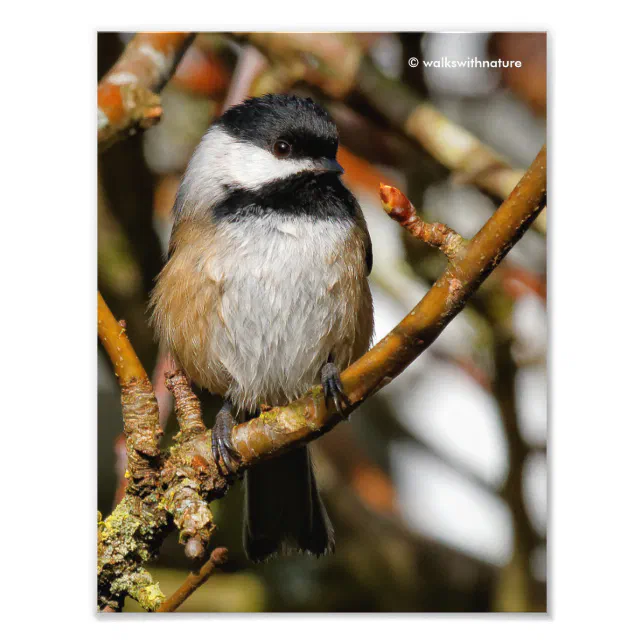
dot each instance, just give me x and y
(140, 410)
(218, 557)
(128, 94)
(359, 173)
(114, 338)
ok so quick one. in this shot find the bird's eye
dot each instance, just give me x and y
(281, 149)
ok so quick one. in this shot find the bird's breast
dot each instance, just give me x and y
(290, 292)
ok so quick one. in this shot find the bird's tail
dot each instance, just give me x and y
(284, 512)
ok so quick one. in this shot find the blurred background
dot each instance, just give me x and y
(438, 486)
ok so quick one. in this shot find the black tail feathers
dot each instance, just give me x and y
(284, 511)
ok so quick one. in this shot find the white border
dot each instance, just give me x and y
(596, 223)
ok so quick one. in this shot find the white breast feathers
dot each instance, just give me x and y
(289, 299)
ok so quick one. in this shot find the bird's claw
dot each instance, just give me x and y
(333, 389)
(226, 456)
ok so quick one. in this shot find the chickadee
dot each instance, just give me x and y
(265, 294)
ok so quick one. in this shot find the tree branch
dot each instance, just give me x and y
(131, 533)
(400, 209)
(115, 341)
(218, 557)
(140, 411)
(128, 94)
(190, 476)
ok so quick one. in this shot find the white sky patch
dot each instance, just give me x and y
(464, 208)
(387, 55)
(388, 313)
(438, 502)
(453, 414)
(530, 324)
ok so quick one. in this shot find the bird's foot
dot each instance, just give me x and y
(333, 389)
(226, 456)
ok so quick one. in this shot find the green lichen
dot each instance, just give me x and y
(317, 393)
(126, 539)
(148, 595)
(139, 585)
(271, 415)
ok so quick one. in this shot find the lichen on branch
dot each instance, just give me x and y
(131, 534)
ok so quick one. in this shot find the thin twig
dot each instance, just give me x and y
(249, 65)
(218, 557)
(400, 209)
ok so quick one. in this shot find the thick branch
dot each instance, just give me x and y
(128, 94)
(218, 557)
(190, 477)
(140, 411)
(130, 534)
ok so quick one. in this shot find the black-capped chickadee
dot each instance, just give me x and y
(265, 293)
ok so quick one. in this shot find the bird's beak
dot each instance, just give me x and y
(328, 165)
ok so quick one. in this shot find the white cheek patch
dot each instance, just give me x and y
(221, 162)
(251, 167)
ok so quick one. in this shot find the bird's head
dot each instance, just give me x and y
(258, 143)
